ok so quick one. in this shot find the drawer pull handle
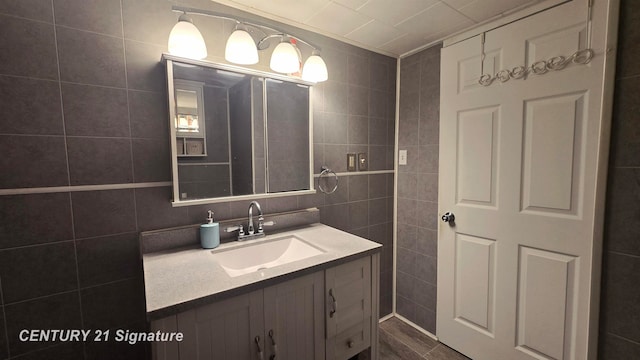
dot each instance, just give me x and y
(334, 304)
(260, 353)
(273, 344)
(350, 343)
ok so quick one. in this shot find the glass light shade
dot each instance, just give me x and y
(185, 40)
(285, 58)
(241, 49)
(315, 69)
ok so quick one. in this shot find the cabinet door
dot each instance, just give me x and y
(293, 319)
(348, 295)
(224, 330)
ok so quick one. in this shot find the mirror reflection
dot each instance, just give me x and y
(238, 133)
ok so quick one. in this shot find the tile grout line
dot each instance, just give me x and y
(403, 343)
(4, 320)
(126, 84)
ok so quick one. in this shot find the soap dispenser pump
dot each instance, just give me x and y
(210, 233)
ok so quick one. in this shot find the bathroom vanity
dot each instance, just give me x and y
(309, 293)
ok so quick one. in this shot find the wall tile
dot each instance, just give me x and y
(429, 123)
(378, 212)
(106, 212)
(428, 187)
(336, 216)
(377, 186)
(409, 78)
(426, 319)
(54, 312)
(361, 232)
(40, 10)
(335, 157)
(335, 97)
(613, 347)
(318, 159)
(378, 158)
(405, 285)
(318, 126)
(108, 259)
(378, 131)
(311, 201)
(409, 107)
(408, 237)
(276, 205)
(427, 242)
(32, 161)
(427, 268)
(628, 35)
(405, 307)
(358, 72)
(358, 100)
(113, 305)
(34, 219)
(408, 132)
(151, 160)
(358, 187)
(425, 294)
(358, 214)
(37, 271)
(406, 261)
(149, 115)
(407, 185)
(336, 61)
(89, 58)
(428, 155)
(101, 16)
(379, 75)
(154, 210)
(99, 161)
(33, 48)
(335, 129)
(622, 223)
(378, 103)
(148, 20)
(145, 70)
(34, 106)
(378, 233)
(622, 295)
(95, 111)
(407, 209)
(385, 304)
(358, 129)
(118, 349)
(625, 130)
(198, 213)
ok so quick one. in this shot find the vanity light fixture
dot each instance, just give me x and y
(242, 48)
(185, 40)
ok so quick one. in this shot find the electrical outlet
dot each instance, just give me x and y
(402, 157)
(362, 161)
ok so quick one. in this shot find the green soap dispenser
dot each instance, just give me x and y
(210, 233)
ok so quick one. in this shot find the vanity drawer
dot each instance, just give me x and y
(350, 342)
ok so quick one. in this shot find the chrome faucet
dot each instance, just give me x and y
(250, 230)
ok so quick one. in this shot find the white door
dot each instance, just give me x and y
(522, 167)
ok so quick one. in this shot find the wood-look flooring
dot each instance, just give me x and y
(400, 341)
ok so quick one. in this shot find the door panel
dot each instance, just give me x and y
(475, 282)
(546, 299)
(520, 167)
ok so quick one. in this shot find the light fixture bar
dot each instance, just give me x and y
(242, 20)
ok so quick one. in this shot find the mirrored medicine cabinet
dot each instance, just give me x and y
(237, 133)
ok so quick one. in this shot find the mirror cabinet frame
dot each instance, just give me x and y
(176, 201)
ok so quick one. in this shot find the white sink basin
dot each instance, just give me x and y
(265, 254)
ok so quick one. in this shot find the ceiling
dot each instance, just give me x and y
(392, 27)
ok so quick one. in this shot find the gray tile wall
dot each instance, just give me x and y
(418, 188)
(84, 92)
(620, 300)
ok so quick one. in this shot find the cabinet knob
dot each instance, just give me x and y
(350, 343)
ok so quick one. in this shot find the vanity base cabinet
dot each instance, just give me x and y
(331, 314)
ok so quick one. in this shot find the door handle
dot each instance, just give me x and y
(334, 304)
(260, 353)
(449, 218)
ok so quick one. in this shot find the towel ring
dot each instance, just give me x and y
(327, 171)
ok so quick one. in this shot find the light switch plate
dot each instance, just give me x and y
(362, 161)
(351, 162)
(402, 157)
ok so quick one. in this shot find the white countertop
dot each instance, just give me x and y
(181, 279)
